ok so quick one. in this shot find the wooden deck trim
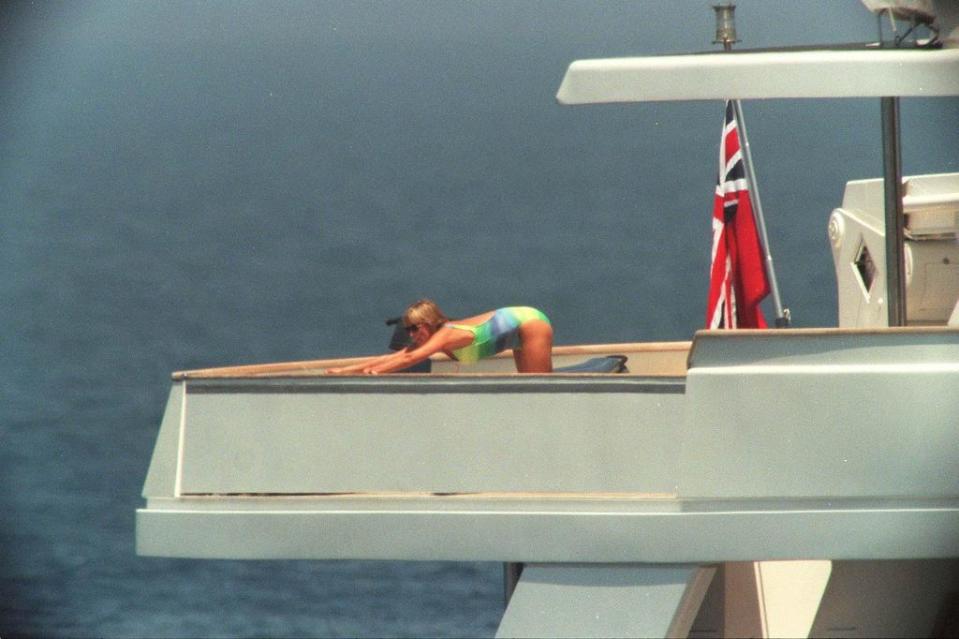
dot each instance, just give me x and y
(418, 495)
(317, 366)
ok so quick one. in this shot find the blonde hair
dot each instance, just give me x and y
(424, 312)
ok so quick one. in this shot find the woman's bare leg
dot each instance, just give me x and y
(536, 352)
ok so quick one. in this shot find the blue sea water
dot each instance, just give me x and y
(194, 184)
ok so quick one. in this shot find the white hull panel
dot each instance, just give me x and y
(776, 445)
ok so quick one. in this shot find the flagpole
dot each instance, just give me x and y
(726, 34)
(782, 316)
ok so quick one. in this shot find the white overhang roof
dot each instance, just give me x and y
(820, 73)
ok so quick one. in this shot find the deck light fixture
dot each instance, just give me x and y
(725, 25)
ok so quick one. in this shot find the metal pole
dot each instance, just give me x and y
(895, 221)
(782, 317)
(892, 194)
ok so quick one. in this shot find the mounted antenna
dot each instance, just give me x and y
(725, 25)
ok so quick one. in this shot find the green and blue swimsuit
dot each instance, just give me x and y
(496, 334)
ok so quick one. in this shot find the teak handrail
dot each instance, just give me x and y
(318, 365)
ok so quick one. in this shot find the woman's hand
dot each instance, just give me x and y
(343, 370)
(366, 370)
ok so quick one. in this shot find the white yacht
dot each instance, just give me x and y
(781, 482)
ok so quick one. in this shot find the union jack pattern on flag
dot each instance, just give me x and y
(737, 281)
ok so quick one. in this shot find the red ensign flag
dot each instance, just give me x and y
(737, 281)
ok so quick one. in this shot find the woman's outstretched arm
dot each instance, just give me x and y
(389, 363)
(440, 340)
(404, 358)
(363, 364)
(444, 339)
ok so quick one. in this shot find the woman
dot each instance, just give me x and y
(524, 329)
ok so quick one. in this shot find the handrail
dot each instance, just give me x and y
(318, 365)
